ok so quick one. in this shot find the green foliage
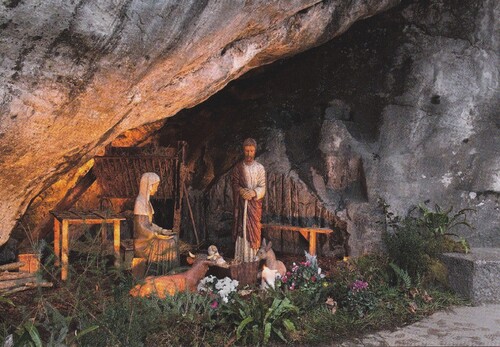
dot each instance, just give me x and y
(5, 300)
(403, 277)
(261, 317)
(28, 335)
(414, 242)
(318, 325)
(410, 247)
(304, 285)
(305, 276)
(130, 321)
(94, 306)
(439, 221)
(360, 302)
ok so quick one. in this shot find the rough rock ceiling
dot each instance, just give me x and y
(74, 75)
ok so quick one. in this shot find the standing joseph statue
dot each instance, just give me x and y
(249, 187)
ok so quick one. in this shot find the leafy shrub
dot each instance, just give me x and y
(360, 299)
(410, 247)
(305, 284)
(414, 242)
(261, 317)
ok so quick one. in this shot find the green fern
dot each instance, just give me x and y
(402, 275)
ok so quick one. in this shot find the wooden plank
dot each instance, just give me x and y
(11, 266)
(295, 228)
(77, 215)
(279, 197)
(6, 276)
(65, 250)
(27, 286)
(57, 242)
(287, 200)
(130, 184)
(98, 214)
(116, 242)
(312, 243)
(16, 282)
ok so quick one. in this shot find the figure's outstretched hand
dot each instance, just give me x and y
(166, 232)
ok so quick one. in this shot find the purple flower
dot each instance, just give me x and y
(358, 286)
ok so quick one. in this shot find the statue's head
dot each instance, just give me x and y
(149, 183)
(249, 148)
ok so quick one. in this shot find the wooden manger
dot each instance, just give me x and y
(244, 273)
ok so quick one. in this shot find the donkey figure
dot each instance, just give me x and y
(266, 252)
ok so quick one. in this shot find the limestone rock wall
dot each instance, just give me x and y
(76, 74)
(403, 107)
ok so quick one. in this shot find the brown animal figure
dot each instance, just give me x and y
(163, 286)
(265, 252)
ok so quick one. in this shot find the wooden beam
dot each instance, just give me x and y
(116, 242)
(312, 243)
(5, 276)
(65, 250)
(11, 266)
(295, 228)
(57, 242)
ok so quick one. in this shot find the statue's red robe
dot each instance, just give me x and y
(254, 210)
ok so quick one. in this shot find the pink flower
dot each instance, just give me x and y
(284, 279)
(307, 263)
(313, 279)
(358, 285)
(214, 304)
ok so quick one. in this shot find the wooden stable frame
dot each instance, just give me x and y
(120, 175)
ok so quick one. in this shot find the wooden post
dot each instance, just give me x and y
(57, 241)
(191, 213)
(181, 177)
(104, 233)
(65, 250)
(116, 242)
(312, 242)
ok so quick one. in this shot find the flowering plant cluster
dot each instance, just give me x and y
(304, 275)
(358, 286)
(222, 289)
(359, 298)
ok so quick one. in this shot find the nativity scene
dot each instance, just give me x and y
(248, 173)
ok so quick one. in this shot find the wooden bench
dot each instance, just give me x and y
(309, 233)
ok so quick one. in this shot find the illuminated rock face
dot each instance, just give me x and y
(403, 106)
(74, 75)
